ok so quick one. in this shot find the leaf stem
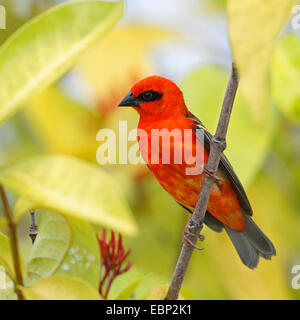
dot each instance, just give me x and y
(195, 224)
(14, 243)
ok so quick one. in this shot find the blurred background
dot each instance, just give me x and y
(187, 42)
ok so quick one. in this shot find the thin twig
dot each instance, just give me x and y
(194, 226)
(14, 243)
(33, 230)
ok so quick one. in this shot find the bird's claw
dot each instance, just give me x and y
(201, 237)
(211, 174)
(187, 241)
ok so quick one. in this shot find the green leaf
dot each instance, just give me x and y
(253, 28)
(61, 287)
(134, 284)
(285, 72)
(5, 254)
(64, 246)
(247, 140)
(83, 257)
(50, 247)
(47, 46)
(125, 285)
(70, 186)
(127, 293)
(7, 291)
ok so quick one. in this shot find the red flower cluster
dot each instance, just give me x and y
(112, 258)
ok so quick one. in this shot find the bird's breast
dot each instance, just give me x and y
(173, 157)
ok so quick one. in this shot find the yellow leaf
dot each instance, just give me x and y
(72, 187)
(160, 292)
(51, 44)
(61, 288)
(253, 28)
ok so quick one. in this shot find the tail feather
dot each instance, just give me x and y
(251, 243)
(244, 248)
(258, 239)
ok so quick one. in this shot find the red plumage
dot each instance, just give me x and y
(161, 105)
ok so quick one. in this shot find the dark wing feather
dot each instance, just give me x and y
(209, 220)
(226, 168)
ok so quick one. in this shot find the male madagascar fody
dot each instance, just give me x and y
(161, 105)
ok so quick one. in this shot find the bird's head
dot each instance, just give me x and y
(155, 96)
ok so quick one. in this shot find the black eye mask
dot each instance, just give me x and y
(149, 96)
(146, 96)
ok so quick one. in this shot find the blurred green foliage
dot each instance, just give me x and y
(285, 80)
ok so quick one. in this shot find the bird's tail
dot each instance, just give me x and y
(251, 243)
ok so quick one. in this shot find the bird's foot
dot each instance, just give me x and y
(211, 174)
(186, 238)
(187, 241)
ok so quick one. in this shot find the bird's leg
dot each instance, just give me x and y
(187, 233)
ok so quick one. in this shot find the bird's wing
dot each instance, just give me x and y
(226, 168)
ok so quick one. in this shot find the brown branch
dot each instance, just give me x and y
(13, 243)
(194, 226)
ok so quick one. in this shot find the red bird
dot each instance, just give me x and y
(161, 105)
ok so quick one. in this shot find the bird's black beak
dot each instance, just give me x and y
(130, 101)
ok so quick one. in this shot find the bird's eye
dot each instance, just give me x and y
(147, 96)
(150, 96)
